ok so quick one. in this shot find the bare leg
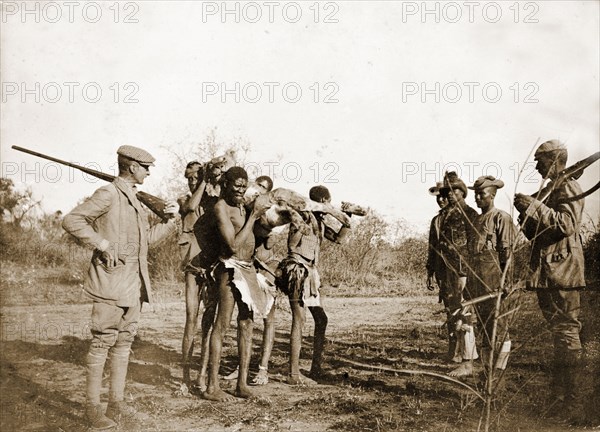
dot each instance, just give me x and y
(208, 319)
(245, 326)
(298, 317)
(191, 318)
(224, 312)
(466, 341)
(320, 318)
(267, 346)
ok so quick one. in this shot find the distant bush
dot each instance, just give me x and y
(368, 264)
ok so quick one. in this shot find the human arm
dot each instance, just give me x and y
(560, 221)
(79, 222)
(162, 230)
(269, 242)
(193, 202)
(236, 242)
(431, 250)
(294, 237)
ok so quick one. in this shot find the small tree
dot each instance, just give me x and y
(15, 205)
(202, 151)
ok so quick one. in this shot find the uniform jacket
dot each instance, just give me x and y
(490, 249)
(435, 263)
(553, 227)
(456, 233)
(112, 219)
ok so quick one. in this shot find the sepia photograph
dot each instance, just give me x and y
(355, 215)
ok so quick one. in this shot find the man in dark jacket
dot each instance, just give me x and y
(557, 262)
(436, 268)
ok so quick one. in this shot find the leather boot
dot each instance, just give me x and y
(95, 367)
(120, 412)
(557, 383)
(117, 409)
(96, 418)
(574, 409)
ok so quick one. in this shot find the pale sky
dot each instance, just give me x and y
(377, 143)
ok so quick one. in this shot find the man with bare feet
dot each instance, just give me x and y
(236, 281)
(197, 215)
(190, 210)
(491, 251)
(266, 265)
(456, 232)
(299, 279)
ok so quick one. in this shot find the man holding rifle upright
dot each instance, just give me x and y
(113, 222)
(553, 225)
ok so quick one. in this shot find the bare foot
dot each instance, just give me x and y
(465, 369)
(261, 378)
(243, 391)
(200, 383)
(233, 375)
(300, 380)
(456, 359)
(218, 395)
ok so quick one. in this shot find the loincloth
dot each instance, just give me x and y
(188, 249)
(256, 296)
(299, 280)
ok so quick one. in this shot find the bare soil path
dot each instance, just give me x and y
(44, 347)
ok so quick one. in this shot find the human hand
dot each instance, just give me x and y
(107, 259)
(171, 208)
(522, 202)
(430, 285)
(261, 204)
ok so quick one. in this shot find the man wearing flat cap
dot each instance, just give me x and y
(113, 222)
(491, 250)
(456, 231)
(436, 268)
(557, 263)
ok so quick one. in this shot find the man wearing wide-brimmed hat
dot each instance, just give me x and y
(436, 269)
(557, 262)
(113, 222)
(456, 231)
(491, 250)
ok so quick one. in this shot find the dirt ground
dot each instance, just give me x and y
(42, 373)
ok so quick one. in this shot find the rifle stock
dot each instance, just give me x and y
(155, 204)
(574, 171)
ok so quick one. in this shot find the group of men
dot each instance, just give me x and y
(470, 259)
(220, 242)
(470, 256)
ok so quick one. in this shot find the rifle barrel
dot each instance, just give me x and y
(157, 205)
(93, 172)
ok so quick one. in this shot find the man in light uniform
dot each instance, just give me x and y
(113, 222)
